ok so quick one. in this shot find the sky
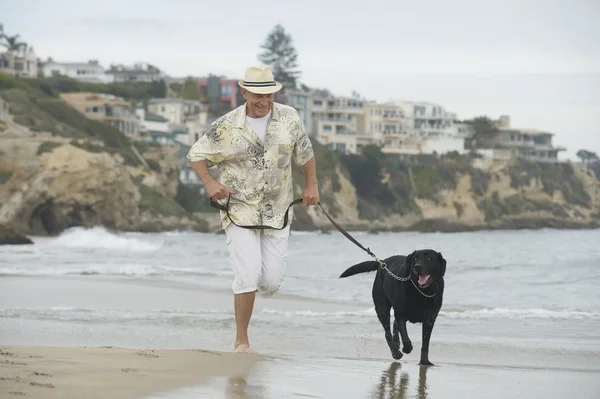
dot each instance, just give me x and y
(537, 61)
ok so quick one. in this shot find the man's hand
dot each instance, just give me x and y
(310, 196)
(216, 190)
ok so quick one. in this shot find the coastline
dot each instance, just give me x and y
(12, 237)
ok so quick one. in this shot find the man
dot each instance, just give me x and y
(252, 147)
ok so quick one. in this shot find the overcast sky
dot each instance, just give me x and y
(537, 61)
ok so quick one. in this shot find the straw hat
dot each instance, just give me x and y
(260, 80)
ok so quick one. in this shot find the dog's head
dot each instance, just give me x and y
(426, 267)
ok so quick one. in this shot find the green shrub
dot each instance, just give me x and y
(154, 165)
(552, 177)
(158, 203)
(459, 208)
(5, 175)
(494, 208)
(191, 200)
(87, 145)
(47, 146)
(479, 181)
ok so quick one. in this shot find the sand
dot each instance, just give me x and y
(71, 372)
(108, 372)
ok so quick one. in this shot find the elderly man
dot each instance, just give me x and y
(252, 147)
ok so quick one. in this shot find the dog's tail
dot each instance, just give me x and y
(364, 267)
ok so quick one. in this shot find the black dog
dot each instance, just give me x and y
(416, 295)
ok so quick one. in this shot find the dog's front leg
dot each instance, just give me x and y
(395, 335)
(401, 324)
(427, 329)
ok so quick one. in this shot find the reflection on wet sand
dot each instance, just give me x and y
(238, 388)
(390, 388)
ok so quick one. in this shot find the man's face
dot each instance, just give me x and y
(258, 105)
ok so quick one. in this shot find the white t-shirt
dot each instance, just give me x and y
(259, 125)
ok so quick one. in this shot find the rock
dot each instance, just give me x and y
(10, 237)
(73, 187)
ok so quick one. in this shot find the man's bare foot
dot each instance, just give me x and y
(244, 348)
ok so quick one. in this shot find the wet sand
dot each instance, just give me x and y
(69, 373)
(64, 372)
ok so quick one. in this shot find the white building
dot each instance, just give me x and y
(139, 72)
(338, 122)
(22, 63)
(426, 120)
(188, 114)
(150, 122)
(89, 72)
(434, 126)
(454, 140)
(301, 100)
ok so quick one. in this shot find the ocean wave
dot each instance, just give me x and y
(459, 313)
(100, 238)
(508, 313)
(187, 316)
(131, 270)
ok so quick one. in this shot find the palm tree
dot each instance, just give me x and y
(13, 44)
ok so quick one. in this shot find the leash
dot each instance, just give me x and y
(225, 208)
(382, 264)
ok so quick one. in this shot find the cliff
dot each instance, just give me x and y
(59, 169)
(454, 192)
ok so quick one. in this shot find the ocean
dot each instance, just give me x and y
(515, 298)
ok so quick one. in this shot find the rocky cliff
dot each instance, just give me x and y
(64, 185)
(376, 191)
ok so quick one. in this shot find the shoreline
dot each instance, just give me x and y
(423, 226)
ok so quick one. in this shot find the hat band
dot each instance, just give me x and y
(259, 84)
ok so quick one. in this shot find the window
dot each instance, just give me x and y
(226, 91)
(327, 128)
(419, 110)
(340, 146)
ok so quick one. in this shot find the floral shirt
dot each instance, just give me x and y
(260, 175)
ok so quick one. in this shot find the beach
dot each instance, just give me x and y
(108, 372)
(97, 314)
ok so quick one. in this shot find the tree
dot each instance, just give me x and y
(587, 157)
(280, 54)
(12, 43)
(485, 130)
(190, 90)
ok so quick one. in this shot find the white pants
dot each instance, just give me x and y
(258, 260)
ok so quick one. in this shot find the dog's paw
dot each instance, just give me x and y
(426, 363)
(396, 354)
(407, 348)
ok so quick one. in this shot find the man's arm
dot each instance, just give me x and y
(310, 195)
(214, 189)
(201, 169)
(310, 172)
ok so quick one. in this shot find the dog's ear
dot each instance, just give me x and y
(442, 262)
(409, 262)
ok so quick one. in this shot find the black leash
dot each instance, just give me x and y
(225, 208)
